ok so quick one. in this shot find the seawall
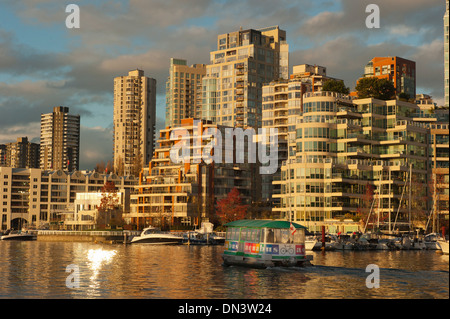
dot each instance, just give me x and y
(86, 236)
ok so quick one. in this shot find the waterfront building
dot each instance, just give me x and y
(439, 160)
(243, 62)
(186, 193)
(436, 118)
(281, 107)
(60, 140)
(84, 212)
(134, 122)
(20, 154)
(401, 72)
(39, 198)
(354, 157)
(446, 48)
(183, 91)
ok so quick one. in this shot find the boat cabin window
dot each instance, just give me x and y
(284, 236)
(150, 231)
(233, 233)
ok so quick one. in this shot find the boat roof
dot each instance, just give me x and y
(263, 223)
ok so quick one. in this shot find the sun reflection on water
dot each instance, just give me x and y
(98, 258)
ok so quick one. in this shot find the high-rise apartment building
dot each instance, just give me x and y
(436, 119)
(60, 140)
(401, 72)
(183, 91)
(186, 193)
(355, 158)
(439, 162)
(21, 154)
(134, 122)
(446, 44)
(282, 105)
(243, 62)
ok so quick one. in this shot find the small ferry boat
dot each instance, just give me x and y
(17, 235)
(265, 243)
(153, 235)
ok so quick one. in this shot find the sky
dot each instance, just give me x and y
(45, 64)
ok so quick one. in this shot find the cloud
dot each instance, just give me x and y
(11, 133)
(411, 15)
(117, 36)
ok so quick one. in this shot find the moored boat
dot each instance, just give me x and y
(265, 243)
(200, 238)
(203, 236)
(153, 235)
(17, 235)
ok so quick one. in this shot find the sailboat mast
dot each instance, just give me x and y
(409, 201)
(389, 199)
(379, 201)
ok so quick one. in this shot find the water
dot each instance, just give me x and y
(38, 270)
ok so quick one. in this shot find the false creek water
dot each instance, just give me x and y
(38, 270)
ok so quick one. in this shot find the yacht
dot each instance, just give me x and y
(153, 235)
(17, 235)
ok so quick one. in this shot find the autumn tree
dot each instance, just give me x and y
(374, 87)
(231, 208)
(109, 212)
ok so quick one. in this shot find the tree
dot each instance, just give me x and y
(374, 87)
(119, 169)
(108, 210)
(100, 167)
(230, 208)
(136, 165)
(335, 86)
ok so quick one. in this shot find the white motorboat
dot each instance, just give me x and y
(17, 235)
(444, 245)
(310, 243)
(153, 235)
